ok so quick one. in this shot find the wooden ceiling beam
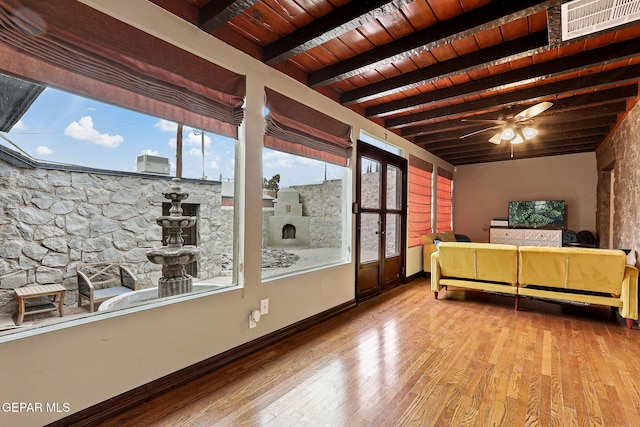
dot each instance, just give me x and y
(484, 58)
(321, 30)
(595, 81)
(493, 15)
(545, 70)
(549, 136)
(216, 13)
(520, 152)
(500, 150)
(552, 116)
(546, 127)
(506, 155)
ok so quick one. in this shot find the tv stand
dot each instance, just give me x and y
(526, 237)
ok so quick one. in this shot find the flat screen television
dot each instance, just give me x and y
(537, 214)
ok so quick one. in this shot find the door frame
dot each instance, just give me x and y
(386, 159)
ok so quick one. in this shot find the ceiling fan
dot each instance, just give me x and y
(515, 129)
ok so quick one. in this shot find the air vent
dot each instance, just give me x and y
(582, 17)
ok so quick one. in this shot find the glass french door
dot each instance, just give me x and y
(381, 218)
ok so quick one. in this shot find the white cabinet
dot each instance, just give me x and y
(526, 237)
(507, 236)
(547, 238)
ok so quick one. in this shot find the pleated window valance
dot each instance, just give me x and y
(298, 129)
(419, 199)
(444, 200)
(65, 44)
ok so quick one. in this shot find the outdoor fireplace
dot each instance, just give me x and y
(287, 227)
(288, 232)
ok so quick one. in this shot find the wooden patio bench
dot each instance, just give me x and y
(101, 280)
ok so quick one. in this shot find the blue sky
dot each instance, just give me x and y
(60, 127)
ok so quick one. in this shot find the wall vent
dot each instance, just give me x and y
(582, 17)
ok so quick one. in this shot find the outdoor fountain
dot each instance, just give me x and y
(175, 255)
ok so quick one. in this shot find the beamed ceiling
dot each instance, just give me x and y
(419, 67)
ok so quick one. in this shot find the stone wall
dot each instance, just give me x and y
(51, 219)
(323, 204)
(619, 159)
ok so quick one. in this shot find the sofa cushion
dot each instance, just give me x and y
(429, 238)
(447, 236)
(582, 269)
(479, 261)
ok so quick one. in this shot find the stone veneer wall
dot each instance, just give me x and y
(323, 204)
(52, 219)
(620, 153)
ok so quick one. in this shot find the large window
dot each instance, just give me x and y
(419, 199)
(87, 180)
(444, 200)
(72, 173)
(306, 189)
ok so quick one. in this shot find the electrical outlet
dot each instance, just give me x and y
(252, 323)
(264, 306)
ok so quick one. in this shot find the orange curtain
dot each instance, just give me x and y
(444, 200)
(419, 218)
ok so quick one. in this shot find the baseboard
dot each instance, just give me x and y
(132, 398)
(415, 276)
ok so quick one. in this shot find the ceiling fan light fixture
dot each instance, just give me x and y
(496, 139)
(517, 139)
(529, 133)
(508, 134)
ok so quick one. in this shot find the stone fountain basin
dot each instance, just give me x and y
(176, 221)
(166, 255)
(145, 295)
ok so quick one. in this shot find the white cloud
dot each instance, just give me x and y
(166, 126)
(278, 159)
(149, 152)
(189, 139)
(83, 130)
(197, 152)
(43, 150)
(19, 125)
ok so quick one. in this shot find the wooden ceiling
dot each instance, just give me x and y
(419, 67)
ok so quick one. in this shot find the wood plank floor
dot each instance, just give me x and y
(407, 359)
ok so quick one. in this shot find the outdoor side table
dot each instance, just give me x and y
(56, 292)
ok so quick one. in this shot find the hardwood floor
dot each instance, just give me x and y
(407, 359)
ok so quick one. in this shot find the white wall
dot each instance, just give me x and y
(89, 363)
(483, 191)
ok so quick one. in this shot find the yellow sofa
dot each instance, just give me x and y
(484, 266)
(429, 246)
(594, 276)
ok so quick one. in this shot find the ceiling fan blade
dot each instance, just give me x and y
(496, 139)
(533, 111)
(497, 122)
(481, 130)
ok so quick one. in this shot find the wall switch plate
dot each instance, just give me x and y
(264, 306)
